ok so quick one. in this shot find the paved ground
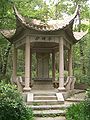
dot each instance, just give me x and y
(79, 96)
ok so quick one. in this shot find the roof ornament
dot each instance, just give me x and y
(79, 28)
(18, 16)
(77, 13)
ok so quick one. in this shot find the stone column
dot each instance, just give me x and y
(27, 65)
(14, 76)
(61, 65)
(53, 66)
(70, 71)
(31, 67)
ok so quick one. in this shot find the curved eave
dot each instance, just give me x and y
(8, 34)
(79, 35)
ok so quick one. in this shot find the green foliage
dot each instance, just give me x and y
(82, 63)
(37, 9)
(76, 112)
(88, 92)
(5, 47)
(79, 111)
(87, 106)
(11, 104)
(5, 78)
(81, 78)
(6, 15)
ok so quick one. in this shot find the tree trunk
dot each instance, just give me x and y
(6, 58)
(81, 45)
(82, 58)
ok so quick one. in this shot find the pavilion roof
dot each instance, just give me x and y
(38, 25)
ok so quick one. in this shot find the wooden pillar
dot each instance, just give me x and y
(14, 64)
(61, 65)
(53, 66)
(27, 65)
(70, 71)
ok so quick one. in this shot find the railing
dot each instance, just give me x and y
(68, 84)
(20, 82)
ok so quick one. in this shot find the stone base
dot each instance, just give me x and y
(42, 85)
(60, 97)
(26, 89)
(61, 89)
(29, 97)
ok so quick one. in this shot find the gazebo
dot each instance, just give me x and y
(43, 39)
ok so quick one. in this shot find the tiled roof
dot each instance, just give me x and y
(49, 26)
(38, 25)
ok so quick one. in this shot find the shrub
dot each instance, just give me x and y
(87, 109)
(5, 78)
(88, 93)
(75, 112)
(11, 104)
(79, 111)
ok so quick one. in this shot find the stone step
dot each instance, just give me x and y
(44, 102)
(44, 94)
(47, 97)
(75, 100)
(48, 113)
(50, 118)
(49, 107)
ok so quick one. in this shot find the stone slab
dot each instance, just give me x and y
(44, 113)
(60, 97)
(30, 97)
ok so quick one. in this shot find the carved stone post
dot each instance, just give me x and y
(61, 65)
(27, 65)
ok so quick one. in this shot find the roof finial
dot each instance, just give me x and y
(18, 15)
(78, 13)
(15, 10)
